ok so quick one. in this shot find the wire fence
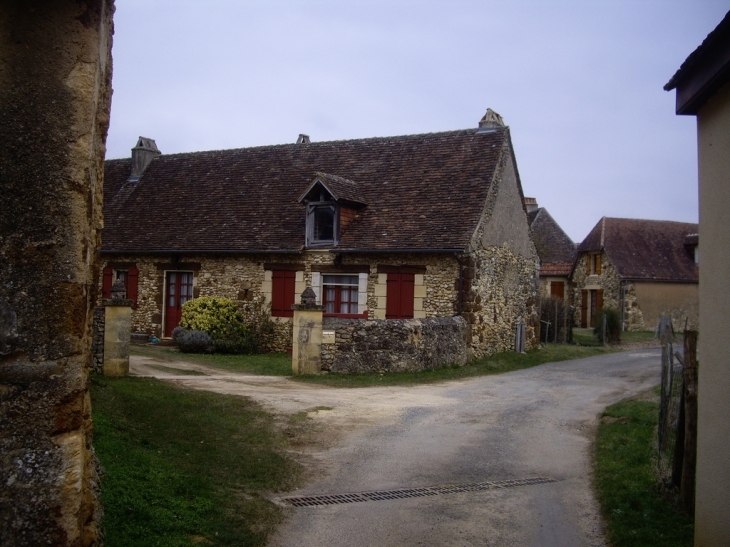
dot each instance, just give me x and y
(677, 428)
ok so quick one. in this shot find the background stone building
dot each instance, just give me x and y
(555, 249)
(641, 268)
(408, 227)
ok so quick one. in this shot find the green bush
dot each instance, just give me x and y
(613, 325)
(223, 321)
(219, 317)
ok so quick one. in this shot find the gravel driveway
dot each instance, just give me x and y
(491, 434)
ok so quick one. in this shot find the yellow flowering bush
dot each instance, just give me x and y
(217, 316)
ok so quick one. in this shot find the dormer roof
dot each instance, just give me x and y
(340, 188)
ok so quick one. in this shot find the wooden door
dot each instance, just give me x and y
(557, 289)
(399, 296)
(178, 290)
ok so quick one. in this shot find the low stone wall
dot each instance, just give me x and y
(393, 345)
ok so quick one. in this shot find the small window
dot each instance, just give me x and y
(322, 220)
(122, 274)
(339, 294)
(324, 224)
(593, 264)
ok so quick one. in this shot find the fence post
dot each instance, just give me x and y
(687, 488)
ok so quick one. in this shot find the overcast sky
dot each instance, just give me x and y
(578, 82)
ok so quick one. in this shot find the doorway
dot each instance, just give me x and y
(178, 290)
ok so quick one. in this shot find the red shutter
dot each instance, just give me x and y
(106, 285)
(132, 276)
(598, 264)
(282, 293)
(588, 264)
(584, 309)
(399, 296)
(599, 299)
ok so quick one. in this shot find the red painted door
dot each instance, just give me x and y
(399, 296)
(178, 290)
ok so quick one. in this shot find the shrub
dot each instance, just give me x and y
(177, 332)
(244, 344)
(613, 325)
(219, 317)
(195, 341)
(263, 329)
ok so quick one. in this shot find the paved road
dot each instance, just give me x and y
(532, 423)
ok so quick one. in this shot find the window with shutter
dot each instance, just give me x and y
(399, 296)
(584, 309)
(282, 293)
(129, 277)
(557, 289)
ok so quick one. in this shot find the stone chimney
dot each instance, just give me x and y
(490, 122)
(531, 205)
(142, 155)
(303, 139)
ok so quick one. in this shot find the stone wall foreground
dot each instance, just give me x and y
(393, 345)
(55, 95)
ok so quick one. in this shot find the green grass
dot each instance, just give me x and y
(585, 337)
(636, 513)
(185, 467)
(496, 364)
(269, 364)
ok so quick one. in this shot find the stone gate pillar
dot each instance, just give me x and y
(55, 96)
(307, 335)
(117, 331)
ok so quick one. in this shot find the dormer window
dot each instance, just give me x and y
(322, 219)
(326, 198)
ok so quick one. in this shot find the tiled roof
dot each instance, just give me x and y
(645, 249)
(554, 247)
(422, 192)
(717, 36)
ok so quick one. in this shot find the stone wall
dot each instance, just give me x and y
(55, 93)
(610, 282)
(393, 345)
(500, 280)
(244, 279)
(97, 343)
(500, 292)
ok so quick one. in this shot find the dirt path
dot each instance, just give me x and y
(531, 423)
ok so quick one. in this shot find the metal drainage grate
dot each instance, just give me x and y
(310, 501)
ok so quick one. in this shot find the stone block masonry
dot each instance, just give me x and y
(55, 95)
(393, 345)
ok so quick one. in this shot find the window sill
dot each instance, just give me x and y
(363, 315)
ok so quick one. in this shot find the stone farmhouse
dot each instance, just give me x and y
(642, 268)
(399, 228)
(556, 251)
